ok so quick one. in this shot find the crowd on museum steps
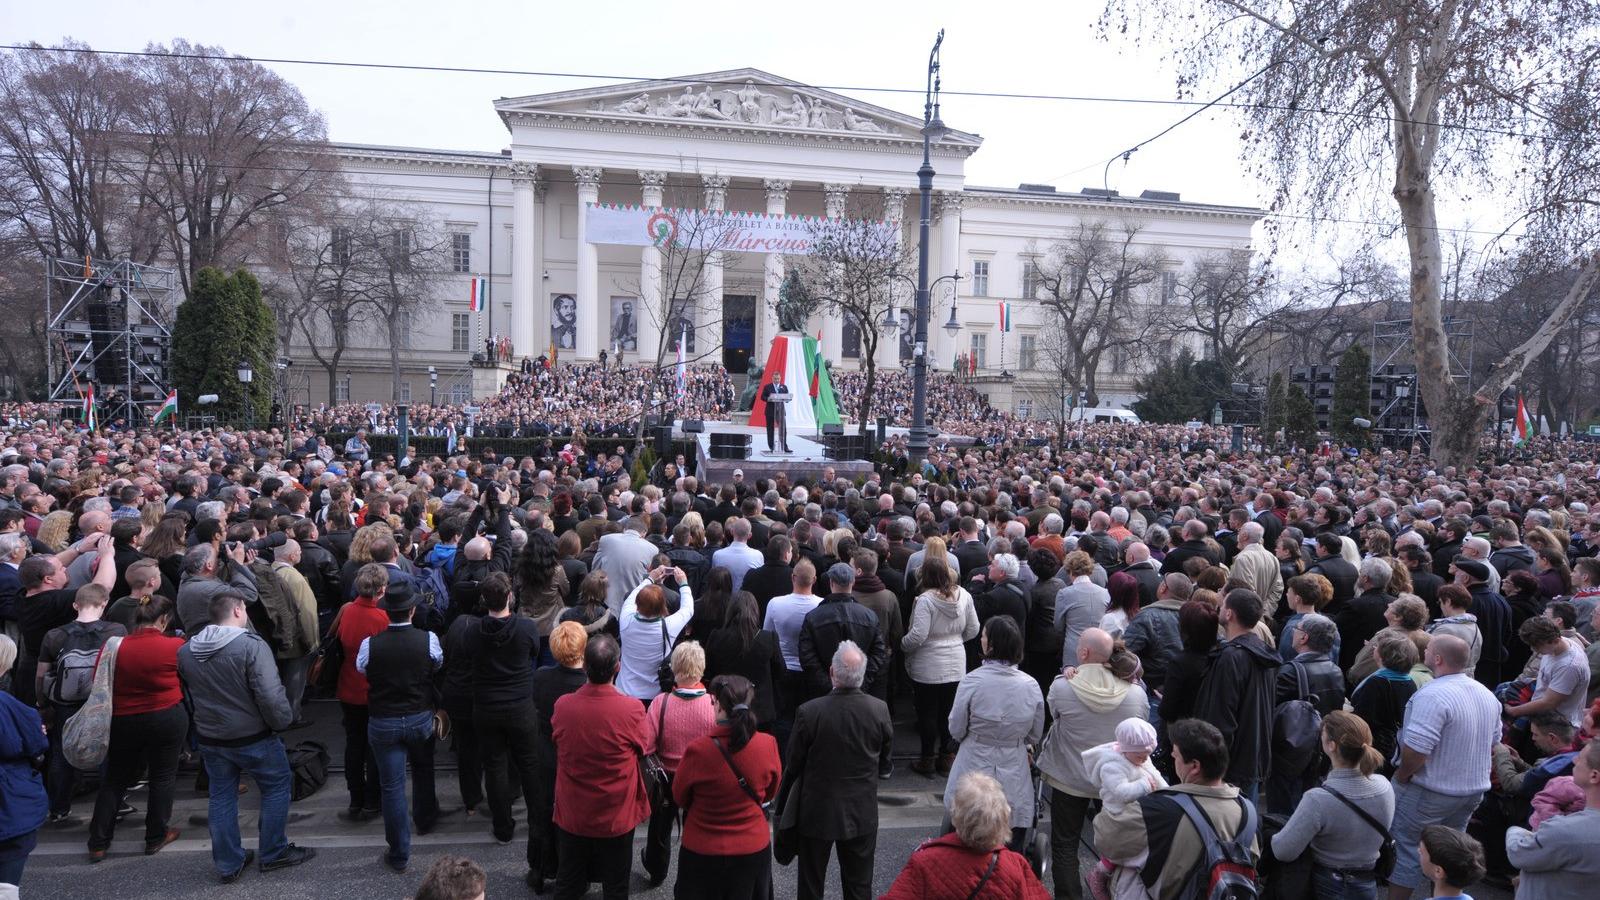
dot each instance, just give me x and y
(1308, 672)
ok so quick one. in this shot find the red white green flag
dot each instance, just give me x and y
(478, 286)
(168, 410)
(1521, 427)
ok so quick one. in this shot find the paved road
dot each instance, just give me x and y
(347, 866)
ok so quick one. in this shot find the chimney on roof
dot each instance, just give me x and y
(1037, 188)
(1165, 196)
(1098, 192)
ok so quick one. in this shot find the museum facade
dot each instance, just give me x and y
(555, 242)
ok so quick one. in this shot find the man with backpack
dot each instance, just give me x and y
(1200, 834)
(66, 673)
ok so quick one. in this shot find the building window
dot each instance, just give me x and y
(980, 278)
(1025, 409)
(980, 350)
(1026, 352)
(459, 394)
(461, 252)
(400, 245)
(1169, 287)
(405, 392)
(342, 389)
(402, 329)
(460, 332)
(1031, 279)
(339, 245)
(1119, 360)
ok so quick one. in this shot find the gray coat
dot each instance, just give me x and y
(625, 558)
(998, 713)
(1079, 607)
(233, 679)
(1086, 714)
(197, 591)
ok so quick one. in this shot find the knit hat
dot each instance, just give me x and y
(1135, 736)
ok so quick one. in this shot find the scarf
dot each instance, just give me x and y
(1099, 690)
(869, 584)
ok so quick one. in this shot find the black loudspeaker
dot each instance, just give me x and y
(663, 441)
(730, 446)
(835, 428)
(694, 426)
(847, 446)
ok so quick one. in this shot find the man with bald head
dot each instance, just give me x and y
(294, 653)
(81, 572)
(478, 557)
(1086, 703)
(1446, 744)
(1194, 533)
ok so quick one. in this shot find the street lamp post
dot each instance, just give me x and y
(247, 375)
(932, 130)
(433, 386)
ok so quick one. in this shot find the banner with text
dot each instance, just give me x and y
(703, 229)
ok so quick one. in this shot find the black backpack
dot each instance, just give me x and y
(71, 677)
(1296, 728)
(1225, 871)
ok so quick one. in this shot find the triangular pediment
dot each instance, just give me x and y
(739, 98)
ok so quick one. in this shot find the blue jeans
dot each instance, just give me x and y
(395, 740)
(1329, 884)
(1416, 807)
(268, 764)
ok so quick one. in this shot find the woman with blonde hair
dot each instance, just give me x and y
(943, 619)
(361, 553)
(676, 719)
(973, 856)
(1340, 821)
(54, 530)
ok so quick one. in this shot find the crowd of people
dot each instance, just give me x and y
(1319, 656)
(953, 405)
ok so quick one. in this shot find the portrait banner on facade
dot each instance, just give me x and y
(703, 229)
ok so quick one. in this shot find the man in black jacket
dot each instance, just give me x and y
(1194, 533)
(505, 649)
(400, 664)
(1363, 616)
(1237, 693)
(969, 551)
(1339, 572)
(1424, 583)
(775, 576)
(320, 569)
(840, 742)
(839, 618)
(1312, 675)
(1005, 597)
(477, 558)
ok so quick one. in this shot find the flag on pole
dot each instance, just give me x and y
(169, 409)
(682, 374)
(1521, 427)
(450, 440)
(816, 367)
(1005, 316)
(88, 408)
(478, 286)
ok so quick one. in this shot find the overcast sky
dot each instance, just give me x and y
(1006, 47)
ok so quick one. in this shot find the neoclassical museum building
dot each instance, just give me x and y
(553, 233)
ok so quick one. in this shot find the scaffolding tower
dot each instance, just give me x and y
(1398, 416)
(109, 324)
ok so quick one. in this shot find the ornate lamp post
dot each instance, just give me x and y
(933, 129)
(247, 375)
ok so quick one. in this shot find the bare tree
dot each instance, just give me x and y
(1086, 285)
(859, 268)
(216, 144)
(1458, 96)
(322, 289)
(1228, 302)
(409, 258)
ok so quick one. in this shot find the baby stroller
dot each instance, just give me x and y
(1036, 841)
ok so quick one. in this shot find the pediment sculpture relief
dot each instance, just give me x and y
(747, 104)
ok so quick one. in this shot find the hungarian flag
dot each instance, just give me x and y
(477, 287)
(683, 364)
(168, 410)
(450, 440)
(1520, 427)
(815, 364)
(89, 420)
(1005, 316)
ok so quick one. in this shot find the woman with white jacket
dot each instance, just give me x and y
(942, 621)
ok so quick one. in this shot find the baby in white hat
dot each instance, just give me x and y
(1122, 772)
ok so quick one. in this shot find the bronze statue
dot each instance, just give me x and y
(747, 400)
(795, 303)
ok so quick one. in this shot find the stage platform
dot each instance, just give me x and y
(807, 461)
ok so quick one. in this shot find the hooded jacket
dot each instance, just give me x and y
(1237, 696)
(1085, 710)
(934, 643)
(1510, 559)
(233, 679)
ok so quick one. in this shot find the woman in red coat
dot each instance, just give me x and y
(722, 784)
(358, 620)
(973, 863)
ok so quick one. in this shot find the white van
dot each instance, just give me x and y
(1104, 414)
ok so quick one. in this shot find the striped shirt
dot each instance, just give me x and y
(1455, 722)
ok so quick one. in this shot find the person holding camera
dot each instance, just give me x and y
(207, 574)
(648, 629)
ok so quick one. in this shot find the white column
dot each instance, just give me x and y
(944, 349)
(589, 311)
(894, 210)
(707, 314)
(835, 197)
(524, 277)
(540, 342)
(772, 280)
(650, 317)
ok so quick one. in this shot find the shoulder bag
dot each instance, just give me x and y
(664, 677)
(739, 777)
(86, 736)
(657, 780)
(1384, 865)
(994, 860)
